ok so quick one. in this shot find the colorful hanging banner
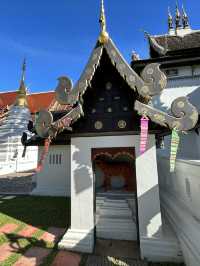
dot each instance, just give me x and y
(174, 148)
(45, 151)
(144, 125)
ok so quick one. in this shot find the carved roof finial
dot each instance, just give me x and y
(185, 19)
(21, 99)
(135, 56)
(23, 70)
(178, 17)
(170, 20)
(103, 38)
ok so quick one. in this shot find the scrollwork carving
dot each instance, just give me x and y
(185, 115)
(152, 80)
(43, 124)
(45, 127)
(63, 92)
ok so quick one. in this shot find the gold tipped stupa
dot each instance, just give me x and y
(21, 99)
(103, 38)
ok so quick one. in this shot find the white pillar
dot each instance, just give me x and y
(149, 215)
(80, 237)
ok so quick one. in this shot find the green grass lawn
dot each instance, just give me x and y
(40, 212)
(37, 211)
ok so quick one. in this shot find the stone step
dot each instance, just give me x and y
(116, 228)
(116, 195)
(115, 218)
(110, 212)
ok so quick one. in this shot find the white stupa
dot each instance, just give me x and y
(11, 131)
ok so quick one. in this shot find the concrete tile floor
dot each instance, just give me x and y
(115, 252)
(117, 248)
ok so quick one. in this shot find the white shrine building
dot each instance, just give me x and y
(116, 192)
(155, 208)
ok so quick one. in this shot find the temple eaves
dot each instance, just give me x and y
(21, 99)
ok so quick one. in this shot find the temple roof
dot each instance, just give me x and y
(36, 101)
(171, 43)
(179, 39)
(151, 82)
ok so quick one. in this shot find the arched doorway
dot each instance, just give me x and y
(115, 193)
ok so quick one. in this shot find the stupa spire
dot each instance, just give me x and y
(170, 20)
(185, 19)
(178, 17)
(103, 38)
(21, 99)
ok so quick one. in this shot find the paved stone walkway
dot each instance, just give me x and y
(35, 255)
(28, 231)
(8, 228)
(52, 234)
(6, 250)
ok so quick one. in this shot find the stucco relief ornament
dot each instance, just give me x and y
(98, 125)
(121, 124)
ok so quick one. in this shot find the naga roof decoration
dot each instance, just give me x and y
(161, 50)
(184, 114)
(166, 44)
(152, 82)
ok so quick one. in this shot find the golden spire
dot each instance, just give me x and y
(21, 99)
(103, 38)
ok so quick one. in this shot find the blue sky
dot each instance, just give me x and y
(57, 37)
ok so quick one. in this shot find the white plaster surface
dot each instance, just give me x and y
(54, 179)
(180, 190)
(180, 204)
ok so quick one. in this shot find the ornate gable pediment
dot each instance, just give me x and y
(146, 85)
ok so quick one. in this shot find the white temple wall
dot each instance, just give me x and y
(11, 160)
(54, 179)
(189, 146)
(29, 162)
(180, 190)
(180, 203)
(80, 237)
